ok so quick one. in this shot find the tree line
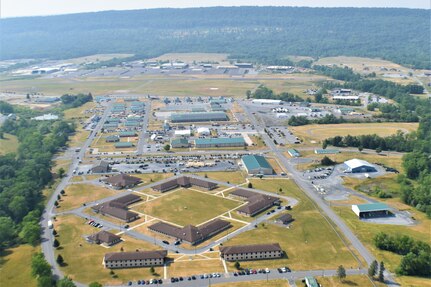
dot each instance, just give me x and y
(263, 92)
(416, 259)
(246, 33)
(400, 142)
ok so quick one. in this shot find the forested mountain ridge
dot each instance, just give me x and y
(251, 33)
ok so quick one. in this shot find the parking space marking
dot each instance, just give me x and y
(165, 272)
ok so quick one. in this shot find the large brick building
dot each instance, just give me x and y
(251, 252)
(134, 259)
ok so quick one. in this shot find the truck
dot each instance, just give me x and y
(50, 225)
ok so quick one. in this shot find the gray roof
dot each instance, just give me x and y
(122, 180)
(104, 236)
(115, 209)
(284, 218)
(191, 233)
(237, 249)
(243, 193)
(138, 255)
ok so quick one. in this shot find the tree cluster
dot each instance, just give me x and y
(263, 92)
(398, 142)
(417, 254)
(24, 175)
(73, 101)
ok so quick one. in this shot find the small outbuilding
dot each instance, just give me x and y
(357, 165)
(100, 167)
(284, 219)
(370, 210)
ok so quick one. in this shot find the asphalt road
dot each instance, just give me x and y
(48, 213)
(141, 142)
(308, 188)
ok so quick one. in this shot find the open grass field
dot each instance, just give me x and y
(185, 206)
(310, 242)
(233, 177)
(80, 112)
(320, 132)
(8, 144)
(15, 267)
(293, 83)
(190, 57)
(274, 163)
(152, 177)
(349, 281)
(390, 159)
(187, 267)
(259, 283)
(84, 260)
(366, 232)
(77, 194)
(103, 146)
(386, 183)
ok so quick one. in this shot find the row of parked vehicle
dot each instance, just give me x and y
(147, 282)
(251, 272)
(94, 224)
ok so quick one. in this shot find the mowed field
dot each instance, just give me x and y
(84, 260)
(185, 206)
(310, 242)
(15, 267)
(8, 144)
(321, 132)
(353, 280)
(390, 159)
(77, 194)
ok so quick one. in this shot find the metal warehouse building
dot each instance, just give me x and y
(220, 142)
(369, 210)
(198, 117)
(257, 164)
(357, 165)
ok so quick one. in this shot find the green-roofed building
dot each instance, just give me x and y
(370, 210)
(257, 164)
(198, 110)
(220, 142)
(112, 120)
(110, 125)
(198, 117)
(131, 124)
(127, 134)
(179, 143)
(326, 151)
(112, 139)
(310, 281)
(123, 144)
(293, 152)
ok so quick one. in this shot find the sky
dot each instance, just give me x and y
(18, 8)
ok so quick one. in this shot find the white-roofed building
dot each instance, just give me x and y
(203, 131)
(266, 102)
(183, 133)
(358, 165)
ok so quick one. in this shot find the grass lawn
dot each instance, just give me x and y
(320, 132)
(258, 141)
(79, 112)
(274, 163)
(353, 280)
(152, 177)
(391, 159)
(386, 183)
(186, 206)
(15, 267)
(84, 260)
(77, 194)
(187, 267)
(366, 232)
(259, 283)
(233, 177)
(8, 144)
(103, 146)
(310, 242)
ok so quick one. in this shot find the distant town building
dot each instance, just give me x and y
(220, 142)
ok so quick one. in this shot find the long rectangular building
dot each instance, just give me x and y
(134, 259)
(184, 181)
(251, 252)
(256, 202)
(220, 142)
(199, 117)
(191, 234)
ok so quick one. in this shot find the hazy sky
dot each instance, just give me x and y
(16, 8)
